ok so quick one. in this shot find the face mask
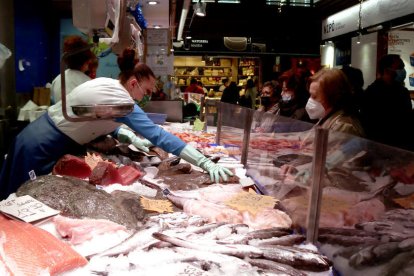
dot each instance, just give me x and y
(400, 75)
(315, 109)
(265, 101)
(286, 98)
(142, 103)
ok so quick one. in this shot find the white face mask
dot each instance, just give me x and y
(315, 109)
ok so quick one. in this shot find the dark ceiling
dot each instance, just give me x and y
(289, 30)
(292, 29)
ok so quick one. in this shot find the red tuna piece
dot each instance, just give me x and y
(128, 174)
(105, 173)
(71, 165)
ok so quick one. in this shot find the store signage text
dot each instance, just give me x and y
(199, 43)
(331, 27)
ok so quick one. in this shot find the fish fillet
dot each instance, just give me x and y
(27, 250)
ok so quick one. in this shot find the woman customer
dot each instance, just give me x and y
(331, 102)
(43, 142)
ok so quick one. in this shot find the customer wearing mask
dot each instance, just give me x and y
(294, 98)
(331, 103)
(269, 98)
(264, 121)
(386, 105)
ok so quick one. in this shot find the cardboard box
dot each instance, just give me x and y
(41, 96)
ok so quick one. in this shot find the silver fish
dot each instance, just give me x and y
(276, 267)
(374, 254)
(400, 265)
(238, 250)
(298, 258)
(140, 239)
(284, 240)
(348, 240)
(215, 258)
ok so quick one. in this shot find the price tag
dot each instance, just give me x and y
(159, 206)
(251, 202)
(246, 182)
(27, 209)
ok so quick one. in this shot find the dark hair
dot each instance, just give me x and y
(250, 83)
(130, 66)
(76, 61)
(354, 75)
(193, 81)
(387, 61)
(276, 93)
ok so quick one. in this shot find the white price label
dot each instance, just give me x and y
(27, 209)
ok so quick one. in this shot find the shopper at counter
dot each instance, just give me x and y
(293, 98)
(78, 66)
(194, 87)
(38, 147)
(230, 94)
(331, 102)
(269, 98)
(269, 104)
(386, 105)
(250, 95)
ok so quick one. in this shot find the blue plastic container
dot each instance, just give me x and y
(157, 118)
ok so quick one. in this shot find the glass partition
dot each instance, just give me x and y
(353, 197)
(367, 203)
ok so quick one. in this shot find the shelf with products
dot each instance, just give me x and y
(248, 68)
(209, 70)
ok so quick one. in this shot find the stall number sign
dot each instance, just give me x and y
(251, 202)
(159, 206)
(26, 208)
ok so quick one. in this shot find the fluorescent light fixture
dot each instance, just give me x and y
(156, 26)
(200, 8)
(229, 1)
(406, 25)
(152, 3)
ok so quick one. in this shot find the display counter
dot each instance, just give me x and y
(344, 205)
(341, 190)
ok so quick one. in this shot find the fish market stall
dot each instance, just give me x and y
(126, 212)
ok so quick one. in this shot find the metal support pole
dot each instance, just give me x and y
(246, 134)
(219, 122)
(318, 169)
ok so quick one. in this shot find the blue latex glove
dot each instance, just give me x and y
(127, 136)
(194, 157)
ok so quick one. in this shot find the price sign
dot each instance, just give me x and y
(159, 206)
(27, 209)
(251, 202)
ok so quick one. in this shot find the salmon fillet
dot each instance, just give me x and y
(28, 250)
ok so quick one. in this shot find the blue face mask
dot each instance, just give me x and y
(400, 75)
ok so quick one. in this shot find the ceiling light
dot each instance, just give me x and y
(152, 3)
(200, 8)
(156, 26)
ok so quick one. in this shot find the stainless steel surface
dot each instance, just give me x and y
(173, 109)
(103, 111)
